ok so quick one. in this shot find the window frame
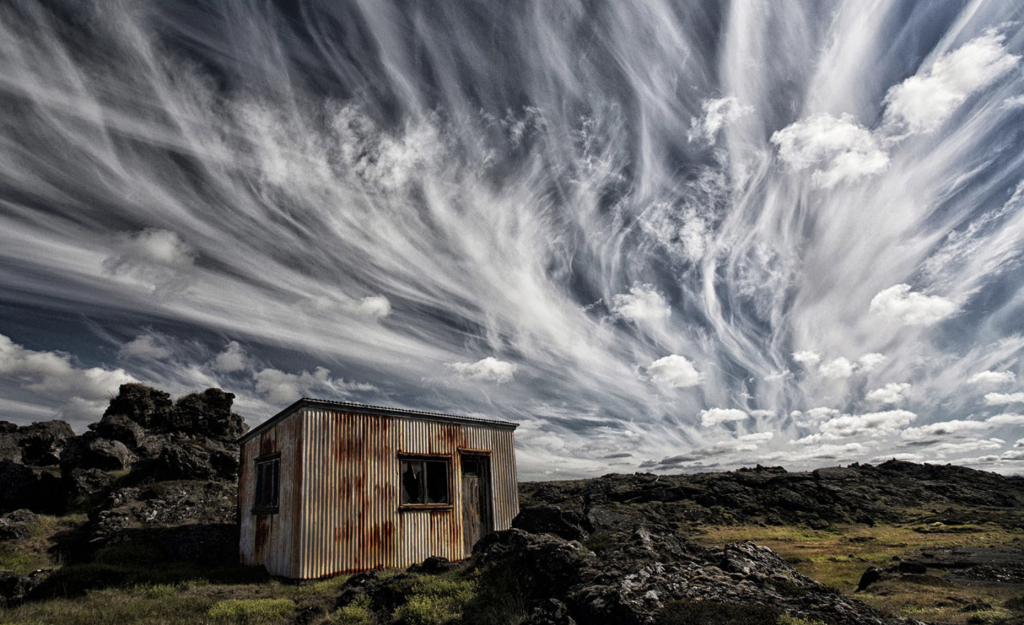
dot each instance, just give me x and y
(274, 505)
(425, 458)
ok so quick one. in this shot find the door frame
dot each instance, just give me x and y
(480, 458)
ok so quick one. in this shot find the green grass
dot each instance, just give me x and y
(251, 611)
(839, 555)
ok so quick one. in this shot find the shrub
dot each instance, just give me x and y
(355, 613)
(436, 600)
(251, 611)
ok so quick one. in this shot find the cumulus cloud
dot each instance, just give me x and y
(757, 437)
(232, 359)
(489, 369)
(837, 149)
(154, 257)
(81, 393)
(807, 358)
(813, 416)
(992, 378)
(374, 306)
(943, 429)
(923, 102)
(674, 371)
(715, 416)
(870, 424)
(837, 369)
(717, 113)
(900, 303)
(1006, 419)
(280, 387)
(868, 362)
(1001, 399)
(145, 347)
(892, 393)
(641, 304)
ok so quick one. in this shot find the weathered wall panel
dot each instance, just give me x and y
(351, 515)
(273, 540)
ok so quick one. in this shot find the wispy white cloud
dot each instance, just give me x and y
(717, 114)
(146, 346)
(281, 388)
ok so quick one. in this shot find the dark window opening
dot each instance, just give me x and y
(268, 484)
(424, 482)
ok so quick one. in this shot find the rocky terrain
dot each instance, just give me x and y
(150, 471)
(140, 511)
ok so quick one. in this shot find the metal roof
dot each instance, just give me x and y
(376, 410)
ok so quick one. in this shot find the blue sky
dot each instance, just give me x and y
(671, 237)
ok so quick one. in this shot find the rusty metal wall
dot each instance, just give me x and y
(273, 540)
(351, 518)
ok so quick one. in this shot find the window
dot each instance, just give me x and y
(425, 482)
(268, 484)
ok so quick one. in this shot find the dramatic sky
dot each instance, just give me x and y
(663, 236)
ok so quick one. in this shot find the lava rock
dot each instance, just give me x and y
(117, 427)
(209, 414)
(870, 576)
(549, 612)
(567, 524)
(30, 488)
(85, 486)
(431, 566)
(142, 404)
(16, 525)
(41, 443)
(91, 452)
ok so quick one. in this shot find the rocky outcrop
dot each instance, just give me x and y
(46, 468)
(648, 575)
(857, 493)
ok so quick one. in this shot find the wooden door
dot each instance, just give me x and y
(475, 501)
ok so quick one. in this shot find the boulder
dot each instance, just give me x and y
(83, 487)
(870, 576)
(92, 452)
(209, 414)
(12, 588)
(17, 525)
(567, 524)
(28, 487)
(10, 451)
(117, 427)
(432, 566)
(142, 404)
(41, 443)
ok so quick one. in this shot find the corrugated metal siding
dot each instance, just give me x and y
(273, 540)
(350, 496)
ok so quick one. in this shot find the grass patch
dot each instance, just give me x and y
(251, 611)
(356, 613)
(436, 600)
(838, 556)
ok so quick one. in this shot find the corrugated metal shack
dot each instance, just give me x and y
(335, 487)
